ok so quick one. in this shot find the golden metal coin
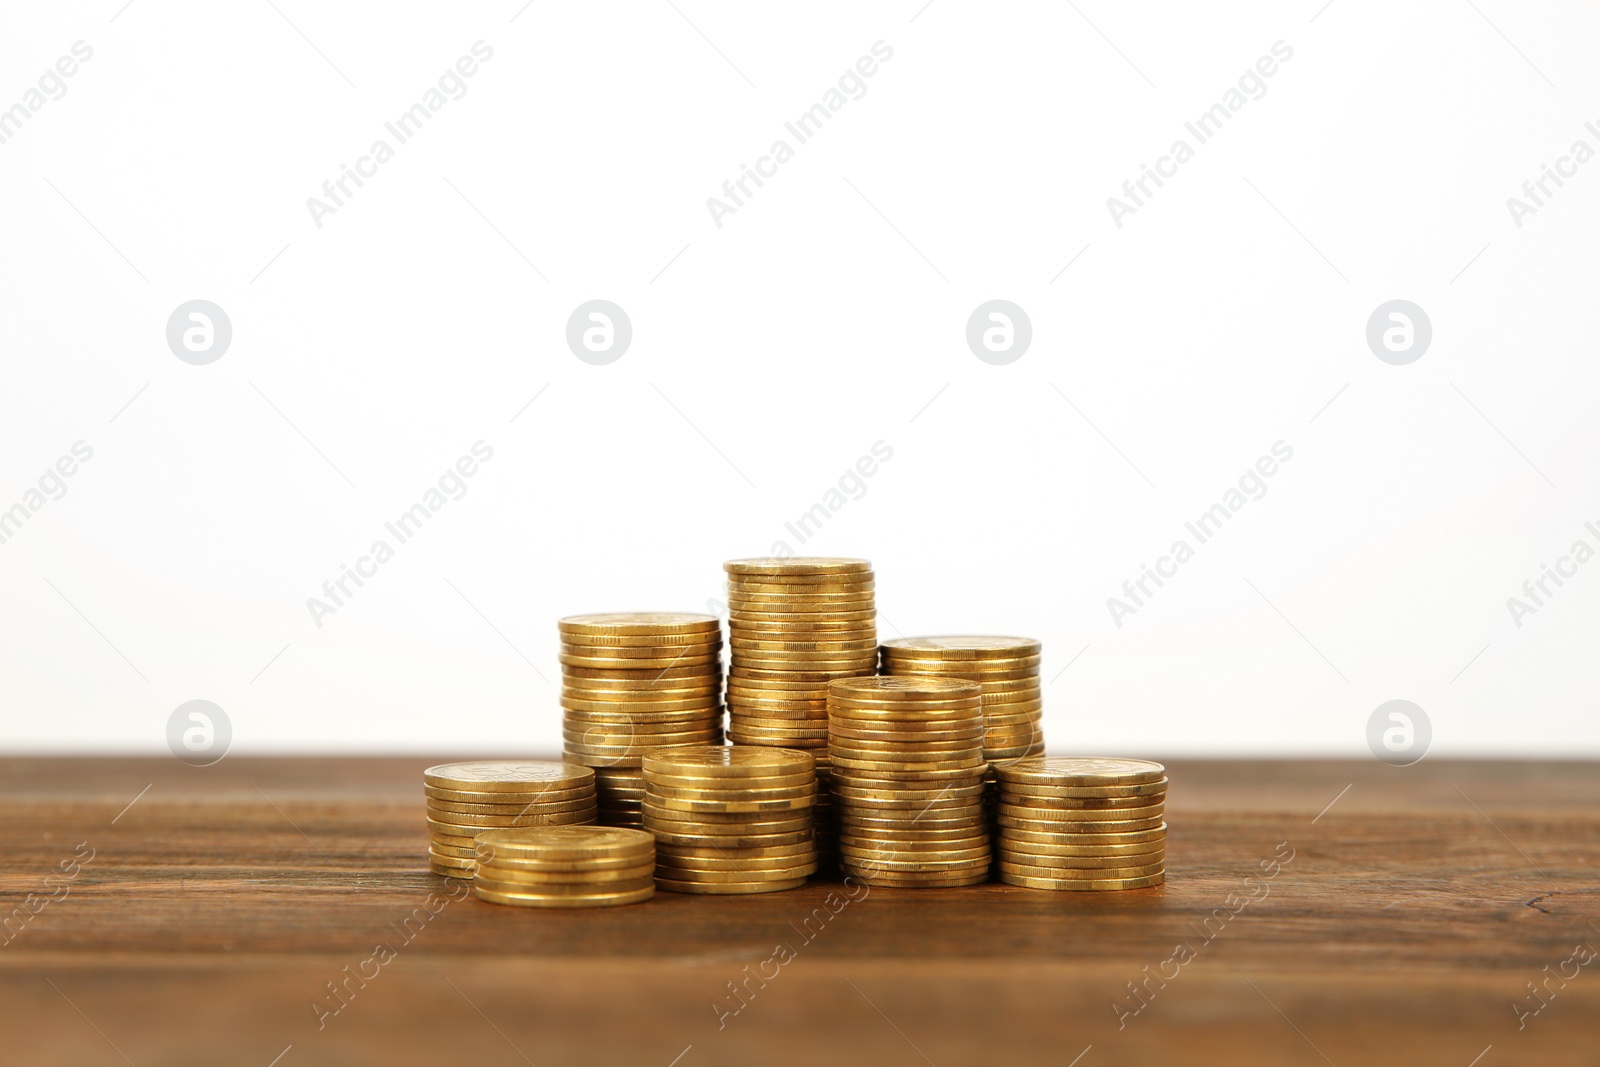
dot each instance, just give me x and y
(1081, 803)
(793, 565)
(568, 842)
(505, 775)
(729, 763)
(537, 796)
(962, 647)
(1155, 834)
(1044, 870)
(1086, 863)
(597, 900)
(543, 807)
(1092, 885)
(1036, 813)
(1148, 790)
(535, 879)
(637, 623)
(1081, 772)
(667, 677)
(920, 880)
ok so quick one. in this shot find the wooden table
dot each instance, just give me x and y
(1417, 907)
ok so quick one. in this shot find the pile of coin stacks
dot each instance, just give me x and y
(466, 799)
(635, 681)
(1006, 667)
(730, 819)
(908, 779)
(1085, 824)
(794, 625)
(565, 867)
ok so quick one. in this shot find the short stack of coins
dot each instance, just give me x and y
(1082, 823)
(633, 681)
(466, 799)
(565, 867)
(1006, 667)
(794, 625)
(908, 780)
(731, 819)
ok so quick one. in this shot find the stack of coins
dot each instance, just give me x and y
(908, 770)
(465, 799)
(794, 625)
(730, 819)
(1006, 667)
(565, 867)
(1084, 824)
(635, 681)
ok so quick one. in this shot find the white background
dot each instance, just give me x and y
(769, 354)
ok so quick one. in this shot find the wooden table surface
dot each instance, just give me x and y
(203, 924)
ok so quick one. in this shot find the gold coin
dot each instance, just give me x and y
(1080, 772)
(746, 730)
(535, 794)
(1083, 884)
(810, 629)
(638, 704)
(913, 840)
(542, 807)
(746, 604)
(908, 688)
(463, 825)
(1084, 863)
(758, 646)
(640, 688)
(1081, 829)
(730, 807)
(534, 880)
(917, 880)
(567, 842)
(717, 879)
(999, 714)
(798, 780)
(666, 677)
(1049, 870)
(776, 820)
(1090, 792)
(793, 565)
(805, 661)
(962, 647)
(449, 858)
(762, 676)
(485, 877)
(597, 900)
(449, 872)
(852, 819)
(1003, 700)
(1006, 840)
(937, 746)
(1070, 816)
(731, 841)
(729, 762)
(712, 853)
(969, 791)
(505, 775)
(569, 658)
(801, 620)
(638, 623)
(727, 888)
(654, 645)
(1156, 834)
(1081, 803)
(802, 789)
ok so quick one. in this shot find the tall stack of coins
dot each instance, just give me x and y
(634, 681)
(565, 867)
(794, 625)
(1083, 824)
(730, 819)
(908, 771)
(1006, 667)
(466, 799)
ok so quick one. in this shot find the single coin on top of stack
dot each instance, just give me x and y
(1082, 823)
(633, 681)
(1006, 667)
(730, 819)
(565, 867)
(794, 625)
(908, 780)
(465, 799)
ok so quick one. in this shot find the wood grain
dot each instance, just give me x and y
(219, 905)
